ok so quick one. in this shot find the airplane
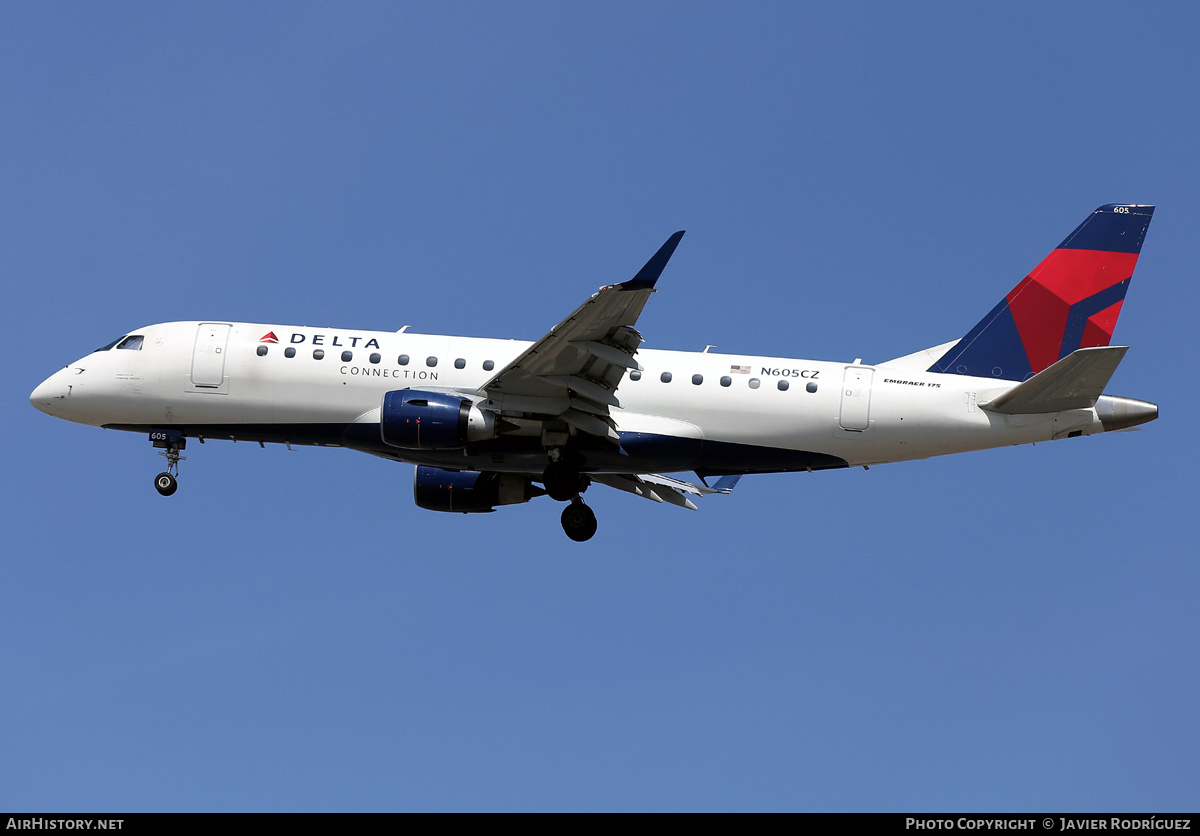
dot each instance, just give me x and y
(491, 422)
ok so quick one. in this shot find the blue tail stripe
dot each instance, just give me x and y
(1001, 349)
(1078, 316)
(1110, 230)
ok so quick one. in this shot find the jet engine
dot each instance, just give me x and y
(470, 491)
(417, 420)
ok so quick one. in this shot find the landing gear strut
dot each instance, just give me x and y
(578, 521)
(562, 481)
(166, 483)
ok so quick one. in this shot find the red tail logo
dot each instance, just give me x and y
(1070, 301)
(269, 338)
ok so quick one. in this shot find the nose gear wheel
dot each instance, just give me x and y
(166, 484)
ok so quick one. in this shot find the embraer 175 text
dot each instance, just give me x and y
(498, 422)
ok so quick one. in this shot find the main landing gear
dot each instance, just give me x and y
(171, 442)
(579, 521)
(564, 483)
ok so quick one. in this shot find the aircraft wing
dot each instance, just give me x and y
(659, 488)
(573, 372)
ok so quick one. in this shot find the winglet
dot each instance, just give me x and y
(726, 484)
(649, 274)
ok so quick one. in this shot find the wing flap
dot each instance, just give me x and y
(589, 423)
(659, 488)
(638, 486)
(583, 387)
(611, 353)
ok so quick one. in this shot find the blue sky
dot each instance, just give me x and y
(1008, 630)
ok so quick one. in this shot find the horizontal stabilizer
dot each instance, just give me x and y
(1075, 382)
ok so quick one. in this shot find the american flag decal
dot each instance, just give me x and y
(739, 370)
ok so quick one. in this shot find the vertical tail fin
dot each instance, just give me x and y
(1070, 301)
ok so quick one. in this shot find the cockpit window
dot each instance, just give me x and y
(110, 345)
(133, 342)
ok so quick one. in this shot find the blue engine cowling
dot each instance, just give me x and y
(470, 491)
(417, 420)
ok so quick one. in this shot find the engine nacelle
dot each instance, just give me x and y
(417, 420)
(470, 491)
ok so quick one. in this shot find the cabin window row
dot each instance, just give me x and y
(403, 359)
(488, 365)
(726, 381)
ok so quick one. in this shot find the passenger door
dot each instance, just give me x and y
(208, 357)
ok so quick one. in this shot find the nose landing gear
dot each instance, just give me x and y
(171, 442)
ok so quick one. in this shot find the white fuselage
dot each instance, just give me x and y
(717, 412)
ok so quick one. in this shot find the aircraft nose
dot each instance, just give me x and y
(49, 393)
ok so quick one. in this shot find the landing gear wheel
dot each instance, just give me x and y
(578, 521)
(170, 442)
(562, 481)
(165, 484)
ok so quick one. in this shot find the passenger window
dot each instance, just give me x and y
(431, 361)
(635, 375)
(289, 352)
(726, 380)
(665, 377)
(812, 387)
(403, 361)
(460, 363)
(488, 365)
(783, 386)
(318, 353)
(262, 351)
(375, 358)
(755, 383)
(133, 343)
(697, 379)
(347, 356)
